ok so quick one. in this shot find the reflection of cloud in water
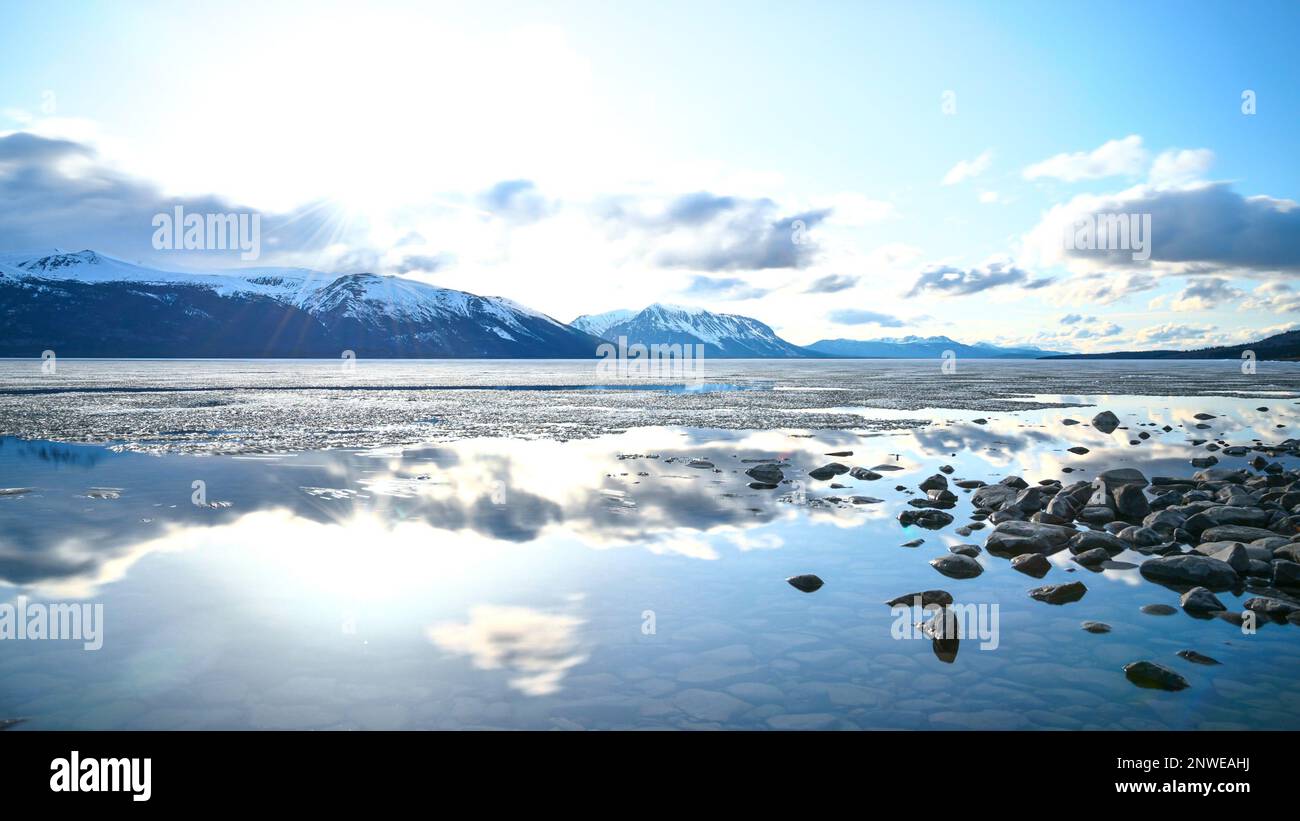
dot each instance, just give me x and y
(537, 648)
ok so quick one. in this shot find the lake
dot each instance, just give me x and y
(469, 544)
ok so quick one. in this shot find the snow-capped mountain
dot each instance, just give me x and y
(919, 347)
(91, 304)
(723, 335)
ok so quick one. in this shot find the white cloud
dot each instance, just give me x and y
(968, 169)
(1180, 167)
(1124, 157)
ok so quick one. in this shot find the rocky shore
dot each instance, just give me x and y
(1218, 530)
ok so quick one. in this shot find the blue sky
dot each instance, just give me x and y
(581, 157)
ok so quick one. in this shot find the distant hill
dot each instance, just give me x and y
(918, 347)
(1279, 346)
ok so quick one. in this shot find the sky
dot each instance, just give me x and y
(837, 170)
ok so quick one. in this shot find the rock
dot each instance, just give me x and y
(956, 566)
(965, 550)
(928, 598)
(1092, 558)
(761, 486)
(1079, 449)
(1083, 541)
(1059, 593)
(1288, 552)
(1141, 536)
(970, 484)
(1196, 658)
(1131, 501)
(1095, 627)
(1220, 515)
(937, 504)
(1286, 574)
(1270, 606)
(1016, 537)
(766, 474)
(1235, 555)
(1235, 477)
(1204, 461)
(1235, 533)
(1096, 515)
(936, 482)
(1190, 569)
(1158, 609)
(993, 497)
(1199, 601)
(825, 472)
(1029, 500)
(840, 453)
(807, 583)
(946, 469)
(1069, 421)
(1154, 676)
(1118, 477)
(1165, 521)
(913, 543)
(1015, 482)
(1204, 416)
(941, 495)
(1106, 422)
(865, 500)
(702, 464)
(1033, 564)
(928, 519)
(864, 474)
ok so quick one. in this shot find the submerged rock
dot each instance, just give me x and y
(766, 474)
(1092, 558)
(1032, 564)
(936, 482)
(927, 599)
(957, 566)
(1270, 606)
(1059, 593)
(1095, 627)
(1016, 537)
(1200, 601)
(1106, 422)
(1154, 676)
(807, 582)
(1190, 569)
(1158, 609)
(1197, 658)
(927, 518)
(830, 471)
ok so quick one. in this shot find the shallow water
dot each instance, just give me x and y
(603, 581)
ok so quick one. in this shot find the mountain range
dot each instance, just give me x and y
(919, 347)
(1283, 346)
(722, 335)
(90, 304)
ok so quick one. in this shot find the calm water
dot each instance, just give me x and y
(523, 581)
